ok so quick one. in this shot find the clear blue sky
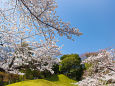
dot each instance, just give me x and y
(95, 18)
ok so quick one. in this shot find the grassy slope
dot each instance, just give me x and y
(59, 80)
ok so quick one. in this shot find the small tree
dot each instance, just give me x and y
(70, 66)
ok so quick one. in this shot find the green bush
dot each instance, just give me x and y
(45, 74)
(70, 66)
(35, 74)
(55, 68)
(30, 74)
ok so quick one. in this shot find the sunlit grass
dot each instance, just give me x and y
(57, 80)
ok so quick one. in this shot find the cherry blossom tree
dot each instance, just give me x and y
(34, 22)
(14, 53)
(36, 14)
(103, 69)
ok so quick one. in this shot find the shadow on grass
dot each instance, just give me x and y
(53, 78)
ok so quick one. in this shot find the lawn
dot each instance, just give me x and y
(57, 80)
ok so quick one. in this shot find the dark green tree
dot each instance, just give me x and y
(70, 66)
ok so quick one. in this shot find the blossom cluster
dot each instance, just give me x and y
(103, 69)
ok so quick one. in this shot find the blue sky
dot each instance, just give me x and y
(94, 18)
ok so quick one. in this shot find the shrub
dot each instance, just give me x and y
(31, 74)
(55, 68)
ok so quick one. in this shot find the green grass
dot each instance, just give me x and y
(57, 80)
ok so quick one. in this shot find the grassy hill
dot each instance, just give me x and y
(57, 80)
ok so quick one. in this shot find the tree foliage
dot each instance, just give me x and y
(70, 65)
